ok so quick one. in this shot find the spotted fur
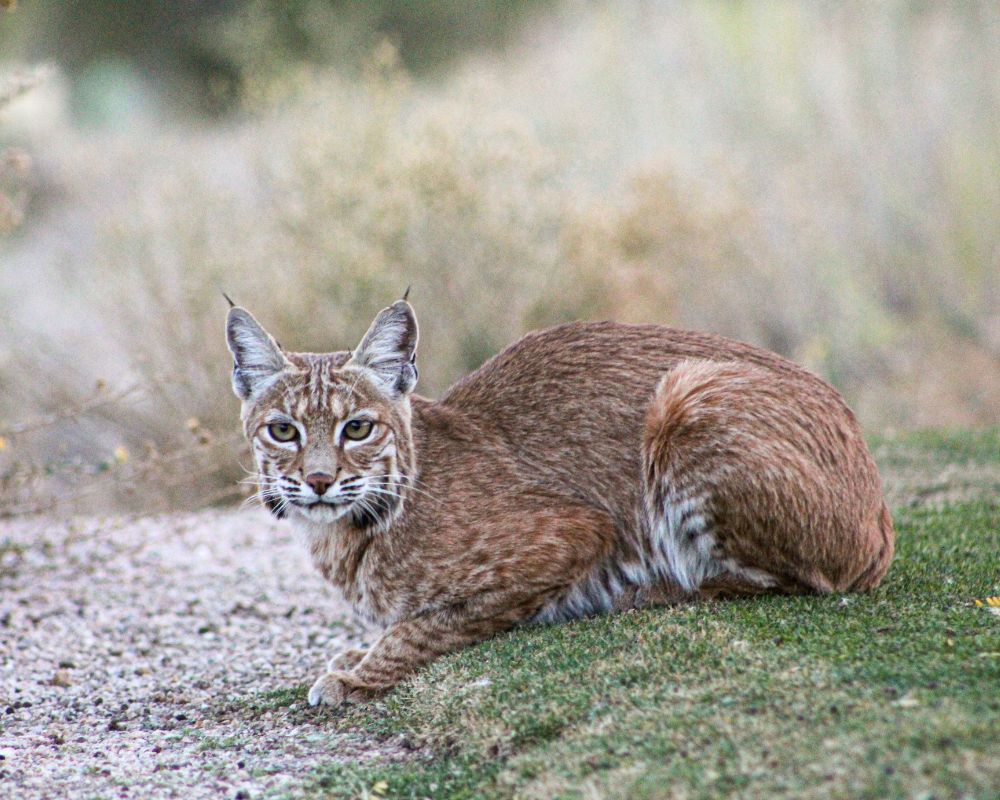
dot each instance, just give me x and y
(588, 468)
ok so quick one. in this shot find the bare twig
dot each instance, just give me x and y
(100, 398)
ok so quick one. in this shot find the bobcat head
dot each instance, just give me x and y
(330, 432)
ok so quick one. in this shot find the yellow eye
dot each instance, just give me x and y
(358, 429)
(283, 431)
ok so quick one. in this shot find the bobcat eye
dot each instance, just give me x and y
(358, 429)
(283, 431)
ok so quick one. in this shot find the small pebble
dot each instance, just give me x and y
(62, 678)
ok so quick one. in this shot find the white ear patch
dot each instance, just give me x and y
(257, 359)
(388, 350)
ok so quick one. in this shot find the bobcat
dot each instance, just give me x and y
(587, 468)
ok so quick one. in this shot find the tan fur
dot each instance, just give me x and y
(586, 468)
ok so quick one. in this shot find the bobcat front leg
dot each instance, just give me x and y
(551, 551)
(411, 643)
(346, 659)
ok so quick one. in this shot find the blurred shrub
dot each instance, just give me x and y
(263, 36)
(355, 191)
(208, 50)
(14, 161)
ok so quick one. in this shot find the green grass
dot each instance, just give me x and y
(891, 694)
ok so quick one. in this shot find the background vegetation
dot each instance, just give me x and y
(819, 179)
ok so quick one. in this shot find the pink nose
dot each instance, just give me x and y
(320, 482)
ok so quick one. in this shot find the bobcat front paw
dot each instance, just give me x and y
(348, 659)
(330, 690)
(338, 687)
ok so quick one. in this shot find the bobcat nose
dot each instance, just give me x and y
(319, 481)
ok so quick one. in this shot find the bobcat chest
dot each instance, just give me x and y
(347, 562)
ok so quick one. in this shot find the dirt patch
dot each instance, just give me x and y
(164, 657)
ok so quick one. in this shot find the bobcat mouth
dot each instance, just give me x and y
(322, 501)
(365, 510)
(322, 509)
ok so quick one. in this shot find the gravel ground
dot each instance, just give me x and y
(132, 652)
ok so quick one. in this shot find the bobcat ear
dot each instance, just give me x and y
(389, 349)
(257, 358)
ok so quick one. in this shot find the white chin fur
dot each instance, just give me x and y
(322, 512)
